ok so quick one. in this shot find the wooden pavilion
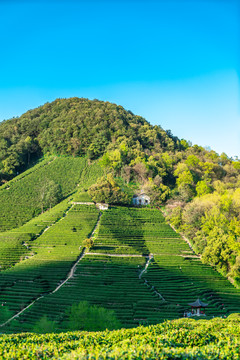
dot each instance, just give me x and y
(198, 307)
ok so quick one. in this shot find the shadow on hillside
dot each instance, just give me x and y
(123, 227)
(114, 284)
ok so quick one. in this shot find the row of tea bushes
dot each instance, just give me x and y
(184, 339)
(54, 252)
(21, 200)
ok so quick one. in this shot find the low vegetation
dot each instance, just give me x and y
(50, 258)
(179, 339)
(52, 180)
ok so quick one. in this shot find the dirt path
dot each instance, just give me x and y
(115, 255)
(83, 253)
(69, 276)
(150, 257)
(152, 288)
(55, 222)
(182, 255)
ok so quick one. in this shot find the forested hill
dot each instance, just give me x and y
(77, 126)
(200, 188)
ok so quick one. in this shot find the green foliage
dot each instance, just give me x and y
(176, 217)
(5, 313)
(192, 161)
(44, 325)
(107, 190)
(184, 339)
(234, 316)
(130, 151)
(236, 165)
(49, 194)
(185, 178)
(76, 127)
(202, 188)
(83, 316)
(15, 245)
(212, 222)
(88, 243)
(158, 192)
(82, 196)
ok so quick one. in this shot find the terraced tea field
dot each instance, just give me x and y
(114, 273)
(50, 259)
(15, 244)
(20, 199)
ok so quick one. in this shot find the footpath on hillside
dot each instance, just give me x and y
(69, 276)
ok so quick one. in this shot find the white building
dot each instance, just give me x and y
(141, 199)
(102, 206)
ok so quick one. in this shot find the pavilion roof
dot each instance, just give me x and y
(198, 303)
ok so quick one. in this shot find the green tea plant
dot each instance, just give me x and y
(184, 339)
(27, 195)
(51, 256)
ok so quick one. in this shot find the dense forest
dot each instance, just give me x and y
(79, 127)
(199, 189)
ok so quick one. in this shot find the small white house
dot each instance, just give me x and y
(102, 206)
(141, 199)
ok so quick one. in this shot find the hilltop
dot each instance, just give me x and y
(76, 127)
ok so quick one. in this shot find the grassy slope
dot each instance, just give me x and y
(20, 200)
(180, 339)
(52, 255)
(16, 244)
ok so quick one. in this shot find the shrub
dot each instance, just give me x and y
(83, 316)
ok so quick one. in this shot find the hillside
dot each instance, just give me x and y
(43, 186)
(116, 273)
(59, 258)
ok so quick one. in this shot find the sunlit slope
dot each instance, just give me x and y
(20, 199)
(15, 244)
(175, 272)
(75, 127)
(51, 256)
(111, 275)
(180, 339)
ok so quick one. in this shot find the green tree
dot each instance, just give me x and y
(88, 243)
(83, 316)
(202, 188)
(108, 190)
(49, 194)
(10, 164)
(44, 325)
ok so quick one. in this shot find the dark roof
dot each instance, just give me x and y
(198, 303)
(137, 195)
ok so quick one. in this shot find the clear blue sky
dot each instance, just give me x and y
(174, 62)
